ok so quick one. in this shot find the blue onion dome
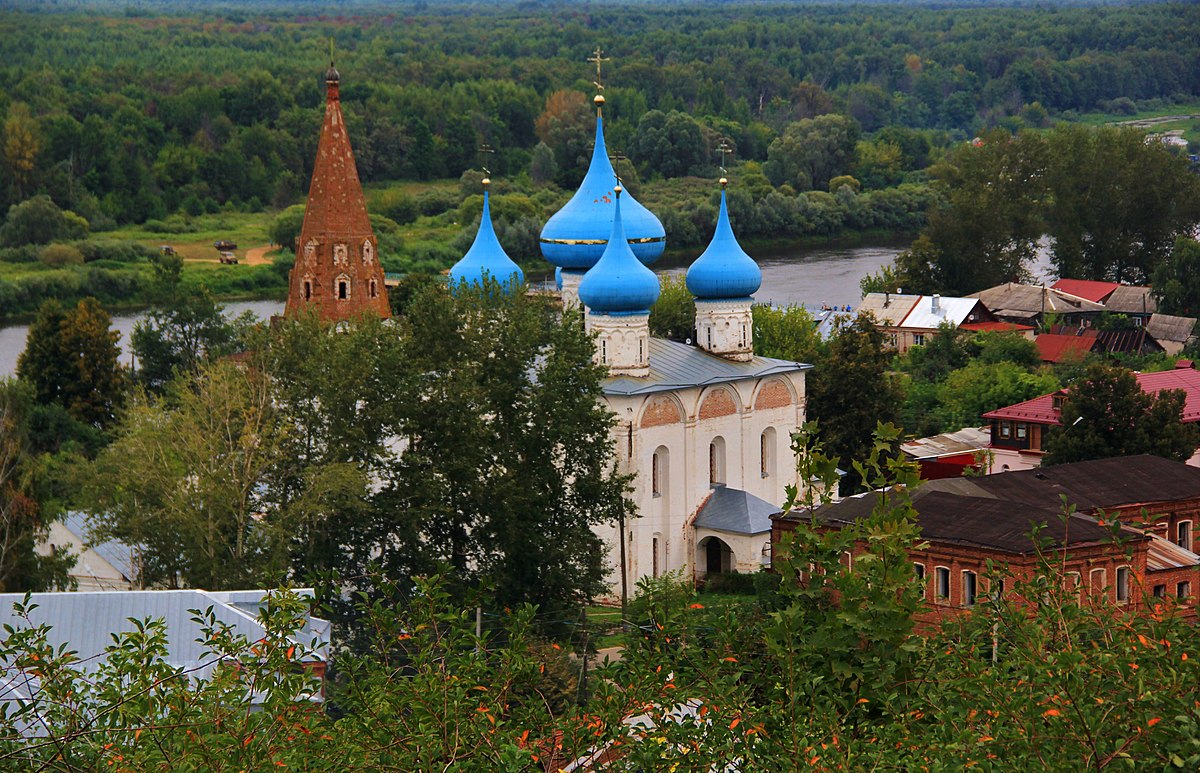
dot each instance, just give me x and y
(723, 270)
(576, 235)
(619, 283)
(486, 257)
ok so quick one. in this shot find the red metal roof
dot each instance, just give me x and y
(1055, 347)
(995, 326)
(1096, 292)
(1041, 410)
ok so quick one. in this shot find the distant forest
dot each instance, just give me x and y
(126, 112)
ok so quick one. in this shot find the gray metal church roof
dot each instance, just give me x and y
(674, 365)
(735, 511)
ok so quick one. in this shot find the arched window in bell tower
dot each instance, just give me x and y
(341, 287)
(308, 289)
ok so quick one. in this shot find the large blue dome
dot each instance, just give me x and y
(619, 283)
(486, 257)
(723, 270)
(576, 235)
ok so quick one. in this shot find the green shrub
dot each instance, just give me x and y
(731, 582)
(58, 255)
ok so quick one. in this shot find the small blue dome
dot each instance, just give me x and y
(575, 236)
(619, 283)
(486, 257)
(723, 270)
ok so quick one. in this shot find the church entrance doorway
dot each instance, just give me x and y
(715, 556)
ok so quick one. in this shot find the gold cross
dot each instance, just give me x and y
(723, 148)
(597, 57)
(617, 157)
(331, 51)
(484, 150)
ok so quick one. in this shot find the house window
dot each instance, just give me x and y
(1022, 430)
(919, 570)
(918, 339)
(716, 462)
(849, 559)
(941, 588)
(1006, 429)
(1183, 535)
(766, 452)
(1122, 584)
(970, 583)
(1183, 590)
(1160, 591)
(1099, 580)
(1074, 584)
(997, 588)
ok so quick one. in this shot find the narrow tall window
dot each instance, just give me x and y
(716, 462)
(766, 451)
(942, 584)
(374, 287)
(1099, 581)
(919, 571)
(1122, 584)
(654, 547)
(970, 584)
(307, 290)
(1183, 590)
(603, 351)
(1183, 535)
(655, 473)
(641, 351)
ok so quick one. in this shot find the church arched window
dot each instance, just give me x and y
(308, 289)
(374, 289)
(368, 253)
(341, 287)
(766, 450)
(659, 471)
(716, 462)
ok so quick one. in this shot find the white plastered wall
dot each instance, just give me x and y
(684, 479)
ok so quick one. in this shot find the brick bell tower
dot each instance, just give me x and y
(337, 267)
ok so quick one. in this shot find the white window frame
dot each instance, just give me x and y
(1182, 541)
(1102, 588)
(970, 587)
(1122, 584)
(1183, 590)
(941, 580)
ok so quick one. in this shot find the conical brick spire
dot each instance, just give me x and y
(337, 261)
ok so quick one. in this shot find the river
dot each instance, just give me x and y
(812, 277)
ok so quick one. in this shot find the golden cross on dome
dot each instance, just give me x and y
(597, 57)
(331, 51)
(484, 150)
(724, 148)
(616, 158)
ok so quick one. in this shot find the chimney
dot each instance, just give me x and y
(937, 303)
(887, 299)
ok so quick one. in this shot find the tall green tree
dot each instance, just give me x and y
(1176, 281)
(1117, 201)
(985, 229)
(71, 358)
(852, 391)
(1107, 414)
(23, 519)
(674, 313)
(813, 151)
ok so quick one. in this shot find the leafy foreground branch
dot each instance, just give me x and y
(821, 670)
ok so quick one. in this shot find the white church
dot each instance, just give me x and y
(705, 429)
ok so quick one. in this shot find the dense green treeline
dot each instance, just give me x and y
(133, 118)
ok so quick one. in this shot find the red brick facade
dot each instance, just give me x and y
(337, 269)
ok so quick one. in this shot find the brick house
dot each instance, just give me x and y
(1019, 432)
(967, 522)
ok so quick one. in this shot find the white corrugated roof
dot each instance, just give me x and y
(949, 309)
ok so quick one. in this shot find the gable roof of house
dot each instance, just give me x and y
(1165, 327)
(979, 521)
(675, 365)
(735, 511)
(1020, 300)
(888, 308)
(996, 327)
(1056, 347)
(1041, 410)
(1128, 299)
(118, 555)
(964, 441)
(1088, 289)
(949, 309)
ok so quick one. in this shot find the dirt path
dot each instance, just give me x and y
(257, 256)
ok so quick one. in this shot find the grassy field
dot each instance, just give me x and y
(1182, 118)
